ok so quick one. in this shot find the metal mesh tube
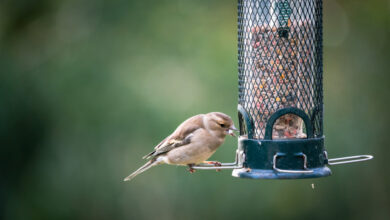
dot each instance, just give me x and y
(280, 63)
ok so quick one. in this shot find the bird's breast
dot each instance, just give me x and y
(203, 144)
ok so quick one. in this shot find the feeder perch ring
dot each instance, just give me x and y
(349, 159)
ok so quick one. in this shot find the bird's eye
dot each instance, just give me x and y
(222, 125)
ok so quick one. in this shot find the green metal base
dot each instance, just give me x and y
(272, 174)
(283, 159)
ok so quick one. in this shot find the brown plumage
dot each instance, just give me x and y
(193, 142)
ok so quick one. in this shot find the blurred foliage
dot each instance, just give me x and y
(88, 87)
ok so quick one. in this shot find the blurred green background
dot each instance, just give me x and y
(89, 87)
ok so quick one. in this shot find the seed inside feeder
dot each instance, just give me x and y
(281, 65)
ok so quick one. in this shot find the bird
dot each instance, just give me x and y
(192, 143)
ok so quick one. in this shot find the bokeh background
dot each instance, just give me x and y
(89, 87)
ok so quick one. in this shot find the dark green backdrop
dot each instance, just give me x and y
(88, 87)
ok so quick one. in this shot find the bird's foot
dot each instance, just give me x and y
(190, 169)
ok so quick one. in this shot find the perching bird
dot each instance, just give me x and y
(193, 142)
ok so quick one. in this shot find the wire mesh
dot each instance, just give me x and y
(280, 63)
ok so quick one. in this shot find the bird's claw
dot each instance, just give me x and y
(191, 169)
(215, 163)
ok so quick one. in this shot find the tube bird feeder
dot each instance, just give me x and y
(280, 103)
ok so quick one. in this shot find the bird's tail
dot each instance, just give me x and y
(142, 169)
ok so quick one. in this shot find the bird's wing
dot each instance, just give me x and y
(181, 136)
(161, 144)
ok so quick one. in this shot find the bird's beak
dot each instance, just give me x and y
(231, 131)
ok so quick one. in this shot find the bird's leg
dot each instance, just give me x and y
(190, 169)
(215, 163)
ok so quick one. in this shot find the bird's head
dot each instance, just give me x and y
(221, 123)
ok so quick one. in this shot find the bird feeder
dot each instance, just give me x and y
(280, 103)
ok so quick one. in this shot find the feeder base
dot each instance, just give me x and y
(272, 174)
